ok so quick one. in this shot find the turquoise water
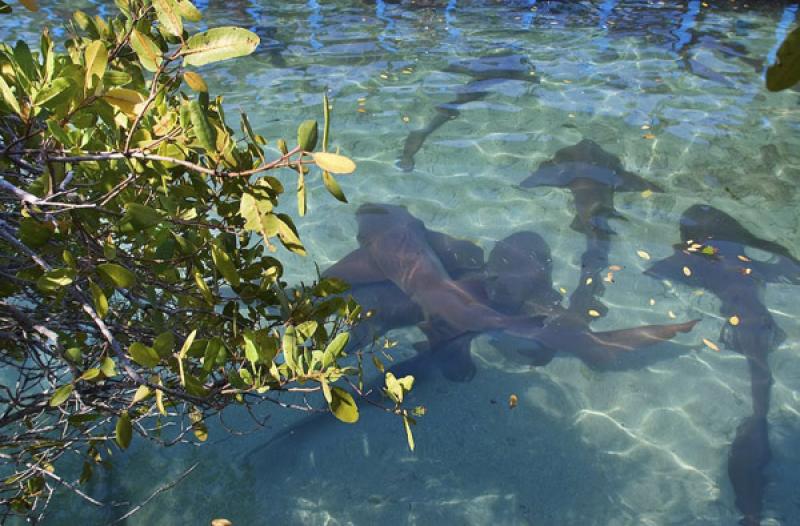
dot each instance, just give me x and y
(675, 90)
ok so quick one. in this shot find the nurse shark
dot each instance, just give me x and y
(485, 72)
(395, 249)
(713, 250)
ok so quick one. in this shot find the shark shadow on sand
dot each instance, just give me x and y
(485, 73)
(713, 250)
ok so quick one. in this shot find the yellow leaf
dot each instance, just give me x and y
(687, 271)
(195, 81)
(647, 193)
(711, 345)
(32, 5)
(593, 313)
(513, 400)
(334, 163)
(734, 320)
(127, 100)
(642, 254)
(648, 136)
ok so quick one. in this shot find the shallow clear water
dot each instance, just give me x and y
(644, 80)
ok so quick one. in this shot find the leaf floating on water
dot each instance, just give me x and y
(648, 136)
(642, 254)
(711, 345)
(652, 302)
(734, 320)
(221, 522)
(588, 281)
(747, 271)
(645, 126)
(744, 258)
(406, 118)
(671, 314)
(687, 271)
(615, 268)
(593, 313)
(513, 400)
(647, 193)
(562, 290)
(609, 278)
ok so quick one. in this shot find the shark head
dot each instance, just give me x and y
(376, 219)
(519, 270)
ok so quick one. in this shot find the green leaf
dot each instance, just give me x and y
(96, 57)
(144, 355)
(333, 186)
(187, 344)
(407, 421)
(195, 81)
(108, 367)
(55, 280)
(204, 288)
(99, 299)
(343, 406)
(90, 374)
(224, 263)
(334, 163)
(307, 135)
(205, 133)
(217, 44)
(326, 128)
(139, 217)
(147, 50)
(141, 393)
(785, 73)
(117, 275)
(250, 350)
(189, 11)
(61, 394)
(124, 431)
(127, 100)
(289, 346)
(54, 93)
(169, 17)
(288, 235)
(334, 349)
(8, 96)
(301, 192)
(34, 233)
(164, 344)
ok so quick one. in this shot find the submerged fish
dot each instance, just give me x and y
(713, 249)
(485, 73)
(394, 248)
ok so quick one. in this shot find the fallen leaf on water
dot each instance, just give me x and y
(512, 401)
(615, 268)
(687, 271)
(747, 271)
(567, 81)
(652, 302)
(361, 110)
(645, 126)
(405, 118)
(562, 290)
(384, 76)
(671, 314)
(221, 522)
(593, 313)
(588, 281)
(642, 254)
(711, 345)
(647, 193)
(744, 258)
(609, 278)
(648, 136)
(734, 320)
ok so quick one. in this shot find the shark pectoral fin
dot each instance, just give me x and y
(356, 268)
(670, 268)
(457, 255)
(454, 359)
(538, 354)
